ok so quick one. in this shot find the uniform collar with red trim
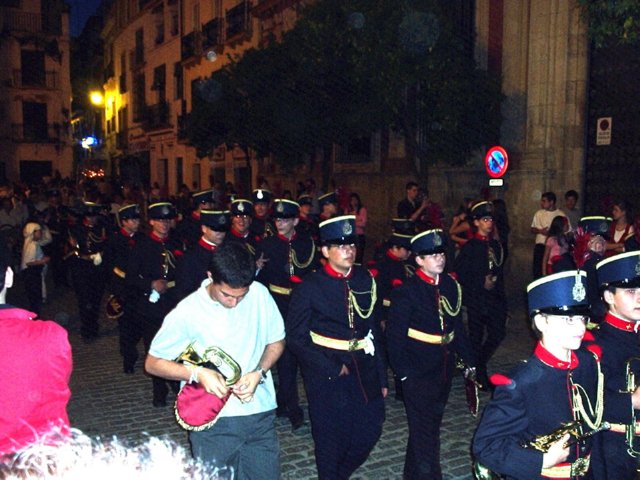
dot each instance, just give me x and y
(207, 245)
(426, 278)
(125, 233)
(195, 215)
(478, 236)
(546, 357)
(156, 238)
(335, 274)
(237, 234)
(391, 255)
(285, 239)
(621, 324)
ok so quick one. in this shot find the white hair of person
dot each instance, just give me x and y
(80, 457)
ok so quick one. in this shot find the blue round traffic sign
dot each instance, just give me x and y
(496, 162)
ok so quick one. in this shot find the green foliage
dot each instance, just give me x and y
(610, 21)
(347, 69)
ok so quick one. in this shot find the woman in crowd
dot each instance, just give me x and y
(621, 228)
(556, 251)
(33, 262)
(460, 231)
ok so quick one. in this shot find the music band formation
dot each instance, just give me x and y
(225, 297)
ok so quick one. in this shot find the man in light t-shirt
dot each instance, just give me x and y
(233, 313)
(540, 226)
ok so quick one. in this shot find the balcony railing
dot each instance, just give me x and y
(191, 45)
(211, 33)
(49, 79)
(238, 20)
(156, 116)
(38, 133)
(15, 21)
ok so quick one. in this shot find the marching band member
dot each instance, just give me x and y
(617, 336)
(289, 257)
(189, 227)
(116, 257)
(150, 278)
(559, 384)
(262, 225)
(192, 267)
(237, 315)
(479, 268)
(333, 330)
(424, 334)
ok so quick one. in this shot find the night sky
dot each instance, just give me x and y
(81, 10)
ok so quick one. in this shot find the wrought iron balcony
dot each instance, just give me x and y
(38, 133)
(35, 79)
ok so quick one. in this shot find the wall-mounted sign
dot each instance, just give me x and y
(603, 130)
(496, 162)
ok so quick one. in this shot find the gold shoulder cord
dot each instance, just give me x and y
(443, 304)
(294, 257)
(353, 303)
(493, 261)
(578, 393)
(409, 270)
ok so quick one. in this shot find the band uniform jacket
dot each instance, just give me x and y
(248, 240)
(415, 305)
(390, 272)
(320, 304)
(618, 342)
(289, 261)
(261, 228)
(472, 265)
(192, 268)
(535, 400)
(116, 257)
(153, 259)
(189, 230)
(88, 239)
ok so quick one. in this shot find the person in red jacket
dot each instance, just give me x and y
(37, 365)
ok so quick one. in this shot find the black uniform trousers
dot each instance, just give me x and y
(89, 283)
(486, 333)
(425, 401)
(287, 392)
(345, 427)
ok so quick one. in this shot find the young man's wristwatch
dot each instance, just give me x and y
(263, 374)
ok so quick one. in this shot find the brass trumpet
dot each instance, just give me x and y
(630, 428)
(213, 358)
(542, 443)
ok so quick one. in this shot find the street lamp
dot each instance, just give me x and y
(96, 98)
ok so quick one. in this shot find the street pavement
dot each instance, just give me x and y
(106, 402)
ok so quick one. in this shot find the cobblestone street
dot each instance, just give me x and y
(107, 402)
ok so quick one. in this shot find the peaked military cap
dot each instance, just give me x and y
(482, 209)
(217, 220)
(558, 294)
(241, 206)
(595, 225)
(404, 226)
(400, 240)
(261, 195)
(129, 211)
(428, 242)
(284, 208)
(338, 230)
(205, 196)
(305, 199)
(161, 211)
(90, 209)
(330, 197)
(620, 270)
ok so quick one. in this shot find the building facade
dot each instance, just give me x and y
(35, 90)
(158, 51)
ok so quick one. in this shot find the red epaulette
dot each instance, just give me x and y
(396, 282)
(454, 275)
(498, 379)
(374, 272)
(295, 279)
(596, 350)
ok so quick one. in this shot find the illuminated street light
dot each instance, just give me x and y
(88, 142)
(96, 98)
